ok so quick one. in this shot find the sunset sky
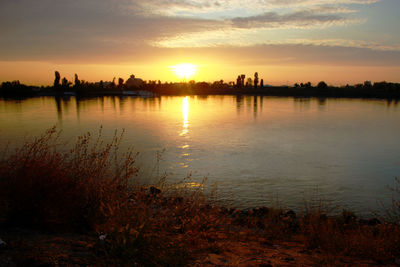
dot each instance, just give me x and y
(286, 41)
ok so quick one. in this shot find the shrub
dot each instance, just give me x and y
(42, 186)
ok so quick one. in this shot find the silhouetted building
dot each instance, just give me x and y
(135, 82)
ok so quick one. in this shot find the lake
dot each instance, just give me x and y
(257, 150)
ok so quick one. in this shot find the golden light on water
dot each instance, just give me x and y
(185, 115)
(184, 70)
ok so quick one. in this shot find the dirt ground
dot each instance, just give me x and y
(38, 248)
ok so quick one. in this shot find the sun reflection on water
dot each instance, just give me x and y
(184, 133)
(185, 114)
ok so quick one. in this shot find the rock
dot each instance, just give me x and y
(369, 222)
(102, 239)
(216, 260)
(261, 212)
(244, 213)
(323, 217)
(373, 221)
(178, 200)
(154, 190)
(291, 214)
(3, 244)
(288, 259)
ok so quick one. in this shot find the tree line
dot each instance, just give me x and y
(242, 86)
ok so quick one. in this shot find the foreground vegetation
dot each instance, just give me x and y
(93, 189)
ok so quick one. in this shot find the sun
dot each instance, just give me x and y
(184, 70)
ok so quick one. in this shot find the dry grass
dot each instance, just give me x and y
(93, 188)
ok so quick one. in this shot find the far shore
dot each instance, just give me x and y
(379, 90)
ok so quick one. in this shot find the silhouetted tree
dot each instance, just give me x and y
(262, 83)
(296, 85)
(242, 77)
(255, 79)
(322, 85)
(367, 84)
(239, 81)
(77, 81)
(249, 82)
(57, 79)
(65, 83)
(120, 82)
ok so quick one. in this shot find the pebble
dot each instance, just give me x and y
(2, 244)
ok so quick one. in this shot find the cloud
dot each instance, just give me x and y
(49, 27)
(317, 2)
(125, 30)
(298, 19)
(198, 7)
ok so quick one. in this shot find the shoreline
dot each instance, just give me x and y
(258, 237)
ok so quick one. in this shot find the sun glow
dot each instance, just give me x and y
(184, 70)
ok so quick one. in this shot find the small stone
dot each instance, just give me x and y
(289, 259)
(102, 237)
(154, 190)
(3, 244)
(374, 221)
(290, 214)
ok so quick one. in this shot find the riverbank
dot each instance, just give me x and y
(86, 207)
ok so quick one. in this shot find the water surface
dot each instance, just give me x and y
(256, 149)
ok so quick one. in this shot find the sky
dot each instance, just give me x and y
(285, 41)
